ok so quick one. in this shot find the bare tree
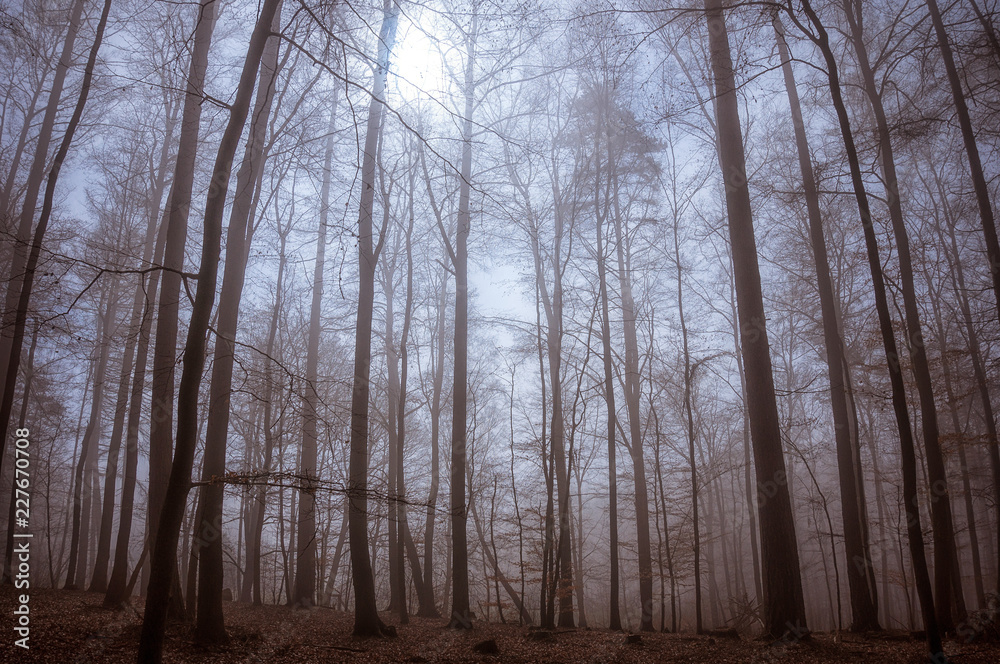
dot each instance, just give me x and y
(175, 220)
(210, 627)
(860, 573)
(908, 458)
(784, 608)
(164, 558)
(366, 620)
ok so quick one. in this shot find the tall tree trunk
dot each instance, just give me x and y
(28, 277)
(461, 616)
(164, 561)
(689, 416)
(784, 607)
(151, 250)
(552, 304)
(981, 188)
(304, 591)
(615, 620)
(366, 620)
(252, 578)
(396, 416)
(210, 626)
(748, 479)
(29, 374)
(428, 606)
(632, 398)
(601, 214)
(425, 594)
(175, 221)
(88, 448)
(979, 183)
(395, 554)
(960, 442)
(907, 453)
(957, 275)
(860, 573)
(36, 176)
(116, 591)
(545, 610)
(944, 536)
(338, 553)
(17, 159)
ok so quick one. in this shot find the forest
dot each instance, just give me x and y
(500, 330)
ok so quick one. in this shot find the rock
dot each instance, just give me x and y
(633, 639)
(541, 635)
(488, 647)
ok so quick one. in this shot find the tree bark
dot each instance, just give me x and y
(151, 251)
(164, 561)
(784, 607)
(979, 183)
(957, 274)
(168, 308)
(304, 591)
(907, 454)
(632, 398)
(210, 626)
(981, 188)
(615, 620)
(945, 558)
(88, 448)
(689, 416)
(29, 374)
(252, 578)
(366, 620)
(860, 573)
(461, 616)
(116, 591)
(429, 605)
(31, 264)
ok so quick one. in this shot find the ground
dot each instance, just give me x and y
(71, 626)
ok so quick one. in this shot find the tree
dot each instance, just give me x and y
(550, 264)
(88, 447)
(210, 627)
(907, 456)
(601, 213)
(784, 607)
(31, 264)
(175, 220)
(981, 189)
(945, 557)
(99, 581)
(33, 186)
(860, 573)
(461, 616)
(305, 573)
(164, 558)
(366, 620)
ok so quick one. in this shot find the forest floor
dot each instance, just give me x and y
(71, 626)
